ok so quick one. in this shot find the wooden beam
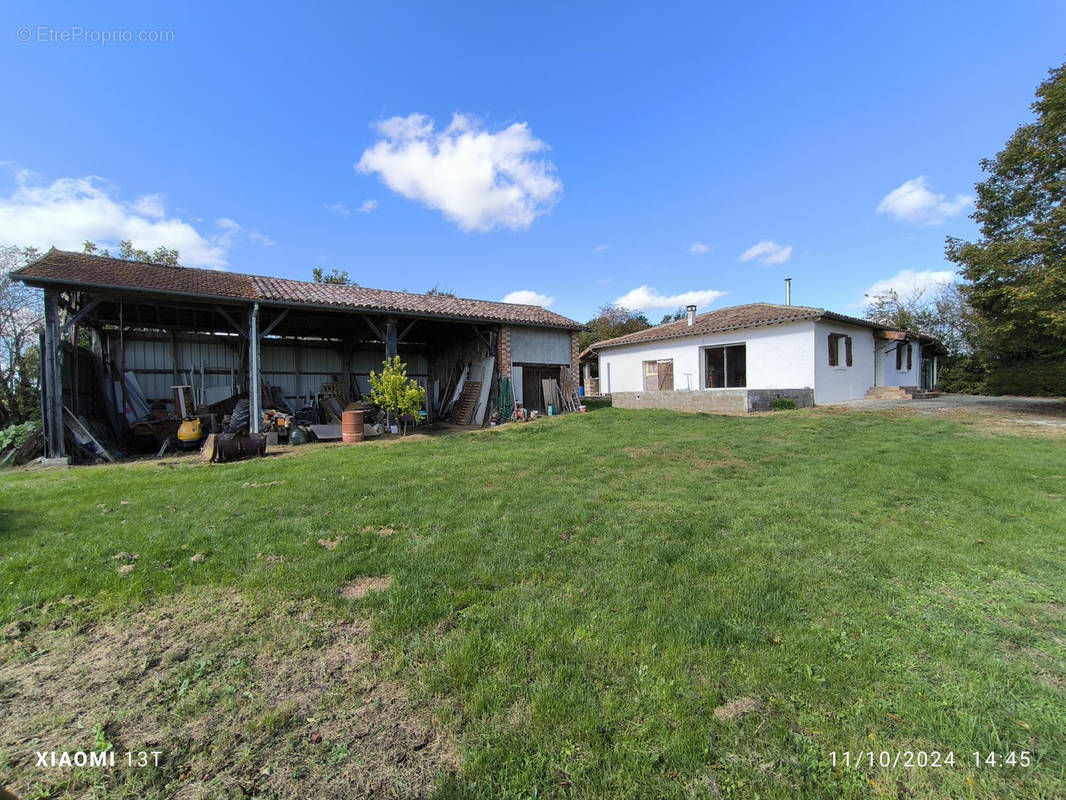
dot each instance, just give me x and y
(52, 375)
(373, 327)
(85, 309)
(274, 324)
(406, 331)
(240, 329)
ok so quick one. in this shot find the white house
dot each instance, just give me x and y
(740, 358)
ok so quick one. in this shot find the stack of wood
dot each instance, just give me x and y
(562, 394)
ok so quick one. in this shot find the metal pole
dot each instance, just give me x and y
(254, 390)
(788, 291)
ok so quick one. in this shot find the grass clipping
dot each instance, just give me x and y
(240, 701)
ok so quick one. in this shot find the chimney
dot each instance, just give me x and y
(788, 291)
(691, 314)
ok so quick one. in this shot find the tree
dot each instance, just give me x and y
(127, 252)
(1017, 269)
(612, 321)
(21, 316)
(437, 291)
(673, 317)
(394, 392)
(337, 277)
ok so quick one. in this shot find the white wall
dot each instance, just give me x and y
(888, 375)
(836, 384)
(778, 357)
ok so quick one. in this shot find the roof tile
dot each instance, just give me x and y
(81, 269)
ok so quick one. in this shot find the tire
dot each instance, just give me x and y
(238, 420)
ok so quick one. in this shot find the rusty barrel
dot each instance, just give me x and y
(352, 426)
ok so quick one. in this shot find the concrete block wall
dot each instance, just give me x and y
(718, 401)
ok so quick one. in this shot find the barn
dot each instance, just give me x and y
(121, 334)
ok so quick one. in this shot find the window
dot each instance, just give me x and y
(726, 367)
(901, 349)
(659, 375)
(834, 349)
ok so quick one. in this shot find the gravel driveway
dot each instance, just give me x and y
(1049, 412)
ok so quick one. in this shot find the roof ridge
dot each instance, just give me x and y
(255, 276)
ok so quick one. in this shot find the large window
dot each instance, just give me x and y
(659, 375)
(725, 367)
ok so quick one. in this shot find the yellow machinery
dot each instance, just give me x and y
(190, 433)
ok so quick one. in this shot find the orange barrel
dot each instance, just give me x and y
(352, 426)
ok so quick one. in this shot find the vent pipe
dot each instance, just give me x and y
(691, 314)
(788, 291)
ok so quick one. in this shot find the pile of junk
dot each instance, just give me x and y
(222, 430)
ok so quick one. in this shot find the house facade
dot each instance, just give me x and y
(739, 359)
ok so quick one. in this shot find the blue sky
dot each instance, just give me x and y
(597, 150)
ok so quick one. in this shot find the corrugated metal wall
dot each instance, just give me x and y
(299, 371)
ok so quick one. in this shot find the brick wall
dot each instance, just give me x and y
(503, 351)
(575, 357)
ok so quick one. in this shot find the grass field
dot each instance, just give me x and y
(616, 604)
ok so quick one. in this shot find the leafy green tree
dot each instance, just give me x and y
(21, 316)
(1017, 269)
(438, 291)
(673, 316)
(337, 277)
(127, 252)
(394, 392)
(612, 321)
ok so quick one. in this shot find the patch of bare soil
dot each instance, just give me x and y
(240, 701)
(737, 707)
(361, 587)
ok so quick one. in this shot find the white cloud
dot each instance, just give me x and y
(261, 239)
(340, 209)
(477, 179)
(908, 282)
(368, 206)
(600, 249)
(529, 298)
(645, 298)
(151, 205)
(68, 211)
(916, 203)
(767, 252)
(699, 248)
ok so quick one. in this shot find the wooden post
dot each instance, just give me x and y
(52, 376)
(255, 391)
(390, 353)
(391, 342)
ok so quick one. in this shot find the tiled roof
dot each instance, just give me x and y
(82, 270)
(728, 319)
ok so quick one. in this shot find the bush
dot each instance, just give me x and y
(783, 404)
(394, 392)
(16, 435)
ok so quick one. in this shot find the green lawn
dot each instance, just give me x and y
(615, 604)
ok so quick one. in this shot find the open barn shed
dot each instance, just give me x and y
(120, 335)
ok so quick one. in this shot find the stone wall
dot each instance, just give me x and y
(717, 401)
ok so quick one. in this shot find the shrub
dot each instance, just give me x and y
(16, 435)
(394, 392)
(783, 404)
